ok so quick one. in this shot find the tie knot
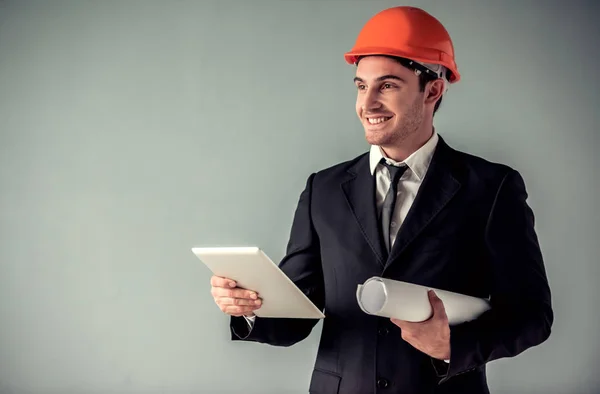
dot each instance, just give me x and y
(395, 171)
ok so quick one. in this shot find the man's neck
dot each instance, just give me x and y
(406, 147)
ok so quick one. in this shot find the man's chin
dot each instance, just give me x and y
(376, 138)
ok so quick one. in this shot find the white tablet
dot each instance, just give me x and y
(252, 269)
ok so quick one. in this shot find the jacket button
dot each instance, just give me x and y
(382, 383)
(383, 331)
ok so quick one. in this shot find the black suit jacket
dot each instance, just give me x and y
(469, 231)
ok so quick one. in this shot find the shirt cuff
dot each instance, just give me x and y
(250, 320)
(441, 367)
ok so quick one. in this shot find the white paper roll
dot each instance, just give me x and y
(407, 301)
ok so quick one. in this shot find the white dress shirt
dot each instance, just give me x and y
(408, 185)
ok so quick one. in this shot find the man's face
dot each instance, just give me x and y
(388, 103)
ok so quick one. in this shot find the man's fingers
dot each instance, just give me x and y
(217, 281)
(233, 293)
(237, 301)
(238, 310)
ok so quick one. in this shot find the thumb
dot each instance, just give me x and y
(436, 303)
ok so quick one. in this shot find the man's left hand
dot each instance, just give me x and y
(431, 336)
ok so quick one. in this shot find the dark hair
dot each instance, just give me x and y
(424, 77)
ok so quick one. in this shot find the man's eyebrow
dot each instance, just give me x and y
(381, 78)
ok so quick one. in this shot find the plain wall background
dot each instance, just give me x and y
(131, 131)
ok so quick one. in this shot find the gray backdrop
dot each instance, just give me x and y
(131, 131)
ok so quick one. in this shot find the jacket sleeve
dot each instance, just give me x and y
(302, 264)
(521, 313)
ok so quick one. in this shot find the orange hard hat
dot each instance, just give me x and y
(406, 32)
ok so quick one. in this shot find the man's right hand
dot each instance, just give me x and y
(233, 300)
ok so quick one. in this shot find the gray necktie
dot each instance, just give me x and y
(390, 201)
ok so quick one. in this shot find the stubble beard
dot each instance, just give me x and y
(408, 126)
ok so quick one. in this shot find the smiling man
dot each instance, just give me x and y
(390, 103)
(411, 209)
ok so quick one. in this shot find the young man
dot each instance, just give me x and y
(411, 209)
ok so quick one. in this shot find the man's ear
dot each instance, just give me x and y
(434, 90)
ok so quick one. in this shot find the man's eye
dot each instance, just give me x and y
(387, 86)
(361, 87)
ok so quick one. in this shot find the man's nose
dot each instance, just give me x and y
(370, 101)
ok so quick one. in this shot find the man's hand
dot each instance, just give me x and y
(432, 336)
(233, 300)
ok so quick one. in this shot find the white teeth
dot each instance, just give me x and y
(376, 120)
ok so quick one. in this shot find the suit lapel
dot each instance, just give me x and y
(359, 190)
(437, 189)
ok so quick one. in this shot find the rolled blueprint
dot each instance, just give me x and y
(407, 301)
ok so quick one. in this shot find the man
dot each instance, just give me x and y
(411, 209)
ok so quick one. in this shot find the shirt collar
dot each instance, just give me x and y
(418, 161)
